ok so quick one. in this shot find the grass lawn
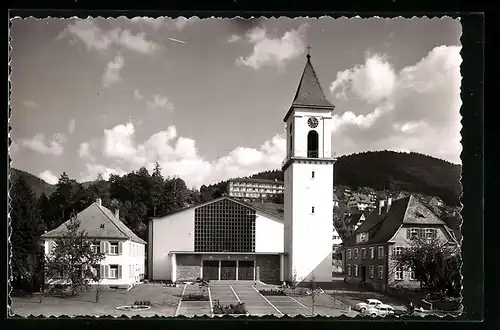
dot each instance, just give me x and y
(164, 301)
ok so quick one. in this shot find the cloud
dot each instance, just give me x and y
(96, 38)
(39, 144)
(179, 156)
(48, 177)
(71, 126)
(160, 102)
(137, 94)
(84, 151)
(273, 51)
(92, 170)
(416, 108)
(234, 38)
(372, 82)
(112, 73)
(30, 104)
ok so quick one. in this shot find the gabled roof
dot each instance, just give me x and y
(360, 198)
(98, 222)
(382, 227)
(274, 210)
(309, 92)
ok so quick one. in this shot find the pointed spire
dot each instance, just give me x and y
(309, 92)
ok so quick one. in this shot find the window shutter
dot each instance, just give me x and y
(102, 271)
(51, 246)
(107, 247)
(119, 271)
(408, 233)
(120, 247)
(434, 233)
(102, 247)
(106, 271)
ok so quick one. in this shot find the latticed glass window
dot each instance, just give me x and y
(224, 226)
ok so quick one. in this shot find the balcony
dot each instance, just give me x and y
(307, 154)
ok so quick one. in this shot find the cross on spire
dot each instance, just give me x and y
(308, 51)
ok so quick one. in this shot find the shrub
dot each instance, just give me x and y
(272, 292)
(195, 297)
(142, 303)
(239, 308)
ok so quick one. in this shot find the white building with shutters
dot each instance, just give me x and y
(125, 252)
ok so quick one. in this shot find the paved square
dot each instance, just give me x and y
(255, 303)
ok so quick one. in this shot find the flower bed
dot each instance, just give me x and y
(133, 308)
(238, 309)
(195, 297)
(272, 292)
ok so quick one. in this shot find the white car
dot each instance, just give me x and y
(380, 310)
(363, 306)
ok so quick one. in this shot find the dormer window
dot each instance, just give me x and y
(362, 237)
(102, 226)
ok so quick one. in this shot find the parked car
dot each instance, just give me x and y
(363, 306)
(380, 310)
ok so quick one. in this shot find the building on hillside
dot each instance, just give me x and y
(125, 252)
(400, 194)
(354, 220)
(370, 250)
(224, 239)
(359, 201)
(251, 189)
(335, 200)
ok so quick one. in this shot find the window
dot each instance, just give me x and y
(356, 270)
(372, 252)
(312, 144)
(380, 272)
(312, 175)
(94, 248)
(380, 252)
(348, 270)
(349, 254)
(430, 233)
(113, 271)
(113, 248)
(411, 274)
(398, 274)
(411, 233)
(371, 271)
(356, 253)
(312, 209)
(398, 250)
(363, 253)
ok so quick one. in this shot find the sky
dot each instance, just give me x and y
(206, 97)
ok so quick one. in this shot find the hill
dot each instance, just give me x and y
(389, 170)
(38, 185)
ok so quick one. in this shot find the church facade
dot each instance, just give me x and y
(230, 239)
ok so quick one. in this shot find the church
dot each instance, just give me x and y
(232, 239)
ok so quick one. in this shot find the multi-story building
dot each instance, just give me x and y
(369, 253)
(255, 188)
(125, 252)
(359, 201)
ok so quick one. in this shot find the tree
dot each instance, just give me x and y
(436, 264)
(314, 291)
(73, 259)
(27, 226)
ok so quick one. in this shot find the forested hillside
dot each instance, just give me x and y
(37, 185)
(389, 170)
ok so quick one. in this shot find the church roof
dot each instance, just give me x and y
(98, 222)
(309, 93)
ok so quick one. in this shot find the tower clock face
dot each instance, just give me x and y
(312, 122)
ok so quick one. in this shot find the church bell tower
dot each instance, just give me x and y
(308, 172)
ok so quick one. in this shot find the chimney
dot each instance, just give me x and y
(98, 201)
(117, 213)
(389, 203)
(381, 204)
